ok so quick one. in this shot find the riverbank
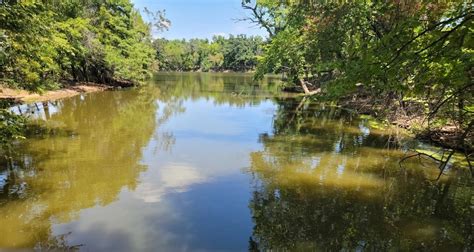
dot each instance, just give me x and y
(24, 96)
(413, 119)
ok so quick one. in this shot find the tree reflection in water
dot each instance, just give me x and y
(325, 181)
(86, 150)
(322, 179)
(83, 155)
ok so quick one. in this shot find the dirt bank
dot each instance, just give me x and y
(23, 96)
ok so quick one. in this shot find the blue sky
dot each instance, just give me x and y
(201, 18)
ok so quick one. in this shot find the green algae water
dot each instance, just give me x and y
(218, 162)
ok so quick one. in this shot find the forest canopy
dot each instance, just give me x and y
(44, 42)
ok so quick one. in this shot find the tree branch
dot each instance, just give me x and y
(429, 29)
(259, 15)
(445, 35)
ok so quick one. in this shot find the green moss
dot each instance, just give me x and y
(457, 159)
(374, 123)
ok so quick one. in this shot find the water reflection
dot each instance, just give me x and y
(174, 178)
(83, 155)
(325, 181)
(238, 89)
(167, 167)
(123, 170)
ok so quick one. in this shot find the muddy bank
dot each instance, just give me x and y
(23, 96)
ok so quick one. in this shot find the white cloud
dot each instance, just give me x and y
(172, 178)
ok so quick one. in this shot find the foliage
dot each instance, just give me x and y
(396, 51)
(237, 53)
(11, 127)
(44, 42)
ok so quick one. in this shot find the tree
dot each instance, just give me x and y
(236, 53)
(398, 53)
(44, 43)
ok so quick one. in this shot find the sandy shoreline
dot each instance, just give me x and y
(23, 96)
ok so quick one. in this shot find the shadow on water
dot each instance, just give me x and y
(325, 181)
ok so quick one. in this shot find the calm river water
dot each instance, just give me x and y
(216, 162)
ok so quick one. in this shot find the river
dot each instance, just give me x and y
(208, 161)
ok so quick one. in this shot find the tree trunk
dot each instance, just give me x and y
(306, 90)
(73, 71)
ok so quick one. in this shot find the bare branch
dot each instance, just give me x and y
(443, 163)
(259, 17)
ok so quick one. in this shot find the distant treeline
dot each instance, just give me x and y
(235, 53)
